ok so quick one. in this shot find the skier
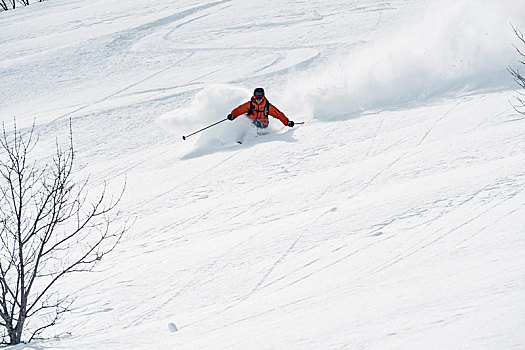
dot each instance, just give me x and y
(258, 109)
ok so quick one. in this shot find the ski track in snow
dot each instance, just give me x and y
(419, 246)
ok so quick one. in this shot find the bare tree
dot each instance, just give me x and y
(6, 4)
(517, 76)
(50, 226)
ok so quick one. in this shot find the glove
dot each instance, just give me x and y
(290, 124)
(230, 117)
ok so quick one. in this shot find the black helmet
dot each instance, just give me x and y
(258, 92)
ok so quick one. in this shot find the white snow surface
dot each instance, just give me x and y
(392, 219)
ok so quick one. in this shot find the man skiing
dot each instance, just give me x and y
(258, 109)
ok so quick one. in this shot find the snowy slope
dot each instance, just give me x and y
(392, 219)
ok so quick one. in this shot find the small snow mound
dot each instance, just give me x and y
(172, 327)
(316, 16)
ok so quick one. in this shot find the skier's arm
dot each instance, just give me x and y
(242, 109)
(274, 112)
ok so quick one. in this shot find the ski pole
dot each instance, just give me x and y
(209, 126)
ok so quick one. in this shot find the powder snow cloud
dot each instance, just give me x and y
(455, 46)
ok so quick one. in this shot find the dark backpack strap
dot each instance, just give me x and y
(267, 108)
(252, 108)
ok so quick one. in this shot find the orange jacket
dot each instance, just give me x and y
(259, 111)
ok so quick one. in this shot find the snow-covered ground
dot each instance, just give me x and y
(392, 219)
